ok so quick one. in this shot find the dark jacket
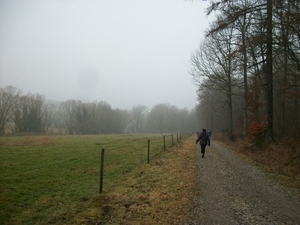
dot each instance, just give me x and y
(203, 138)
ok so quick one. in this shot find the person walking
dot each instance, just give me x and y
(203, 139)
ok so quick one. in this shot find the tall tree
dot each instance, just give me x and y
(231, 12)
(269, 71)
(242, 26)
(215, 61)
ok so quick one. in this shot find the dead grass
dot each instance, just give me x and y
(157, 193)
(28, 140)
(280, 160)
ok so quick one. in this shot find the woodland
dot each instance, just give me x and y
(33, 114)
(247, 69)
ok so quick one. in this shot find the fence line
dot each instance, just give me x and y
(148, 155)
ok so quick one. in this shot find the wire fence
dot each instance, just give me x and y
(134, 156)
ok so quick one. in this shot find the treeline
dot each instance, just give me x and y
(31, 113)
(247, 68)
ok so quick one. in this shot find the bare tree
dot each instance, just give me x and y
(105, 119)
(67, 113)
(172, 119)
(269, 71)
(215, 61)
(231, 11)
(9, 97)
(157, 117)
(137, 114)
(31, 114)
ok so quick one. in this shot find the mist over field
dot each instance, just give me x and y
(123, 52)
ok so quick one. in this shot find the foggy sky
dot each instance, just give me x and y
(124, 52)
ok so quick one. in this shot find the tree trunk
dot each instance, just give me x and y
(245, 125)
(269, 75)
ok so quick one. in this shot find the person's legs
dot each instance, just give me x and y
(203, 150)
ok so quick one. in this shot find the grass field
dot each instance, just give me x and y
(50, 179)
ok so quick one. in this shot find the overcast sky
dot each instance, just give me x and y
(124, 52)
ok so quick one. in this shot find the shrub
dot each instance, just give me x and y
(256, 132)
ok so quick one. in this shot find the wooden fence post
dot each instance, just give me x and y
(148, 160)
(101, 171)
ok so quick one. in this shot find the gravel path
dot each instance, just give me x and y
(233, 192)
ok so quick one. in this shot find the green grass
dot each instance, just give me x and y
(48, 178)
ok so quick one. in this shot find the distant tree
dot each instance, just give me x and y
(31, 114)
(182, 119)
(56, 122)
(192, 123)
(67, 111)
(212, 110)
(120, 119)
(105, 116)
(157, 118)
(92, 118)
(137, 114)
(172, 122)
(84, 119)
(9, 97)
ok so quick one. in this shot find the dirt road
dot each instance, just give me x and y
(233, 192)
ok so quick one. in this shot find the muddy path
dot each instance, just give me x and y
(231, 191)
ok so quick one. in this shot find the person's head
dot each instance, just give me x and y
(204, 130)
